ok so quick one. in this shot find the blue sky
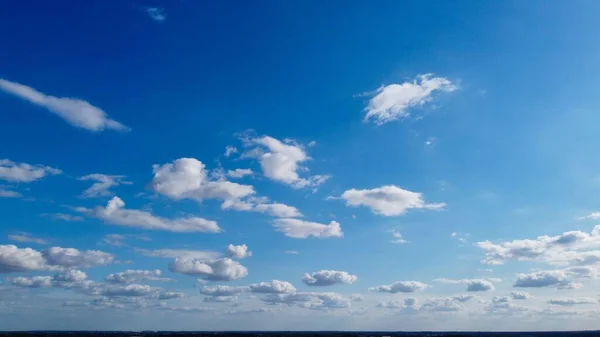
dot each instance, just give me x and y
(388, 165)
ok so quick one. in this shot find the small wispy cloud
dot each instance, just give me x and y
(397, 238)
(76, 112)
(26, 237)
(156, 13)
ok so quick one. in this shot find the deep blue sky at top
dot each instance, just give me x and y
(291, 68)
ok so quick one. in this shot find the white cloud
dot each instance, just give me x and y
(520, 295)
(569, 248)
(247, 311)
(169, 295)
(26, 237)
(389, 200)
(118, 290)
(442, 305)
(292, 252)
(102, 184)
(118, 240)
(220, 299)
(282, 162)
(239, 173)
(222, 291)
(391, 304)
(397, 238)
(115, 213)
(565, 301)
(472, 284)
(200, 255)
(70, 276)
(393, 101)
(273, 287)
(300, 229)
(400, 287)
(188, 178)
(239, 251)
(76, 112)
(356, 297)
(14, 259)
(312, 143)
(229, 150)
(33, 282)
(591, 216)
(73, 258)
(558, 278)
(309, 300)
(223, 269)
(156, 13)
(500, 299)
(133, 276)
(328, 278)
(64, 217)
(23, 172)
(6, 193)
(260, 205)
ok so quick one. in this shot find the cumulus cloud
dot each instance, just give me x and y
(223, 269)
(222, 290)
(400, 287)
(328, 278)
(169, 295)
(23, 172)
(282, 162)
(239, 173)
(26, 237)
(566, 301)
(133, 276)
(118, 290)
(115, 213)
(70, 276)
(393, 101)
(188, 178)
(520, 295)
(569, 248)
(73, 258)
(441, 305)
(239, 251)
(273, 287)
(309, 300)
(557, 278)
(76, 112)
(389, 200)
(33, 282)
(472, 284)
(591, 216)
(14, 259)
(300, 229)
(102, 185)
(200, 255)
